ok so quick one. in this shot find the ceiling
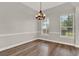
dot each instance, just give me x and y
(45, 5)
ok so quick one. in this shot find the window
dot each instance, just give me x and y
(66, 25)
(45, 26)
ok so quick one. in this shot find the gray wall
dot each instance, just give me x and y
(17, 24)
(54, 16)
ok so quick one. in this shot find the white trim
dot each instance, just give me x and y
(55, 32)
(59, 42)
(58, 34)
(3, 35)
(11, 46)
(17, 44)
(20, 43)
(14, 45)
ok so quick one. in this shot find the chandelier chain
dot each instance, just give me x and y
(40, 6)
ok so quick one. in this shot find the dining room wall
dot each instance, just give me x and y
(53, 14)
(17, 24)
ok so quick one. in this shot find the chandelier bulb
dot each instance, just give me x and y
(40, 15)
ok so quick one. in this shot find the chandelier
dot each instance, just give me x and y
(40, 15)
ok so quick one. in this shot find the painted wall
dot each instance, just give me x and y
(54, 16)
(17, 24)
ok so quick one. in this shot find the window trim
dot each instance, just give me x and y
(42, 29)
(62, 36)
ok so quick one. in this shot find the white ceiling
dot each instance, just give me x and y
(45, 5)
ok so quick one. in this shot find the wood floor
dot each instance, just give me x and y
(41, 48)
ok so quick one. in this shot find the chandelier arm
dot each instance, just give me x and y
(40, 15)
